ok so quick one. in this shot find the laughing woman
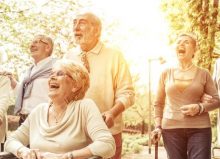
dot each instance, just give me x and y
(180, 115)
(66, 128)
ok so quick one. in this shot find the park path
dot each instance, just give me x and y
(144, 154)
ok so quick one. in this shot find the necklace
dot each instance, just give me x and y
(57, 116)
(187, 69)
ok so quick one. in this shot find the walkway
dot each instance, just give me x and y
(161, 154)
(145, 155)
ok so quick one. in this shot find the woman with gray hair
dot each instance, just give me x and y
(180, 115)
(69, 126)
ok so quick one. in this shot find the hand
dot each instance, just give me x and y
(49, 155)
(190, 110)
(11, 77)
(156, 135)
(206, 98)
(108, 117)
(13, 119)
(26, 153)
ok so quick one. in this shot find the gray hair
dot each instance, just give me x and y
(193, 37)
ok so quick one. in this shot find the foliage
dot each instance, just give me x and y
(195, 16)
(133, 143)
(21, 21)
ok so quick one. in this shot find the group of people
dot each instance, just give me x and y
(71, 108)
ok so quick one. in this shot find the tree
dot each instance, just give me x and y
(195, 16)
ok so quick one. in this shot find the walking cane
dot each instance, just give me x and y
(156, 150)
(156, 147)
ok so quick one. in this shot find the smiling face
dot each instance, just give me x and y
(61, 84)
(40, 48)
(86, 28)
(68, 81)
(185, 48)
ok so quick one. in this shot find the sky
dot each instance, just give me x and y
(149, 43)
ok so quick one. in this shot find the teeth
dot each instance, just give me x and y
(54, 86)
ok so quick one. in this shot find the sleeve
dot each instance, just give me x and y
(19, 138)
(215, 73)
(103, 143)
(160, 95)
(5, 88)
(124, 90)
(211, 89)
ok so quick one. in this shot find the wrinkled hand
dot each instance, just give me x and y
(11, 77)
(190, 110)
(156, 135)
(49, 155)
(108, 117)
(206, 98)
(26, 153)
(13, 119)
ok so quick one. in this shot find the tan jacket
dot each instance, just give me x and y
(110, 79)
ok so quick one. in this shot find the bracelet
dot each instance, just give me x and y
(202, 109)
(70, 155)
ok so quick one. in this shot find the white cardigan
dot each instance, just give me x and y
(5, 88)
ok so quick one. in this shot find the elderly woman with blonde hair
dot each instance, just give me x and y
(69, 127)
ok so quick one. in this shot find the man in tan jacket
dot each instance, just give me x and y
(110, 80)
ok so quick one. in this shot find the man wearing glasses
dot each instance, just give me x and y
(33, 89)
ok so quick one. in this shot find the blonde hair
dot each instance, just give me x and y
(78, 74)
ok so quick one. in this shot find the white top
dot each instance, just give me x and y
(39, 92)
(82, 126)
(5, 89)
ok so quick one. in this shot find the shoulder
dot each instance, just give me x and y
(39, 109)
(113, 50)
(203, 70)
(87, 104)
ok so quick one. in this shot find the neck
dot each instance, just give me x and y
(89, 47)
(185, 66)
(37, 60)
(59, 106)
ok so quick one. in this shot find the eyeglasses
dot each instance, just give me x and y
(59, 74)
(38, 41)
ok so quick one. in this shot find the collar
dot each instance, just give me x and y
(97, 49)
(42, 62)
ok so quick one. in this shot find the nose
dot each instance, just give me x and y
(76, 26)
(52, 76)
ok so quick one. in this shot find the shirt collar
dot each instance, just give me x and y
(42, 62)
(96, 50)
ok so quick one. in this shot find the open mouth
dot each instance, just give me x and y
(181, 51)
(54, 86)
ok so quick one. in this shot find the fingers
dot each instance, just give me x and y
(190, 110)
(109, 119)
(156, 135)
(38, 154)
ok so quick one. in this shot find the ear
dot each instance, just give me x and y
(74, 89)
(48, 48)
